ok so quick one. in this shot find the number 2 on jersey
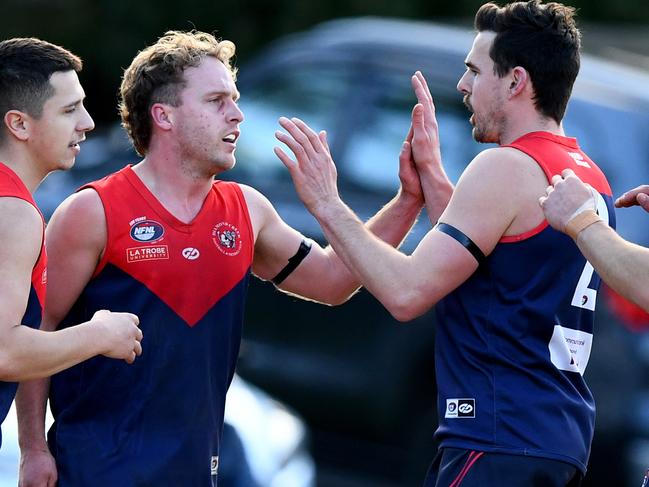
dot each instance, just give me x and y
(585, 296)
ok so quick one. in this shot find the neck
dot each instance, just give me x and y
(179, 189)
(522, 124)
(27, 169)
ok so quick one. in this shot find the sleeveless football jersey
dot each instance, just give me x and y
(12, 186)
(513, 341)
(158, 421)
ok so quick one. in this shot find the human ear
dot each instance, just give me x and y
(160, 113)
(17, 124)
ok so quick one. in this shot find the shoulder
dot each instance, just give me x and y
(504, 169)
(79, 221)
(500, 160)
(255, 200)
(85, 206)
(20, 215)
(21, 228)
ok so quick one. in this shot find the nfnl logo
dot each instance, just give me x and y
(460, 408)
(147, 231)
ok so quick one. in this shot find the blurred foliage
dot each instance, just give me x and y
(108, 33)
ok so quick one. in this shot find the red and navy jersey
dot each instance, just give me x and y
(514, 340)
(158, 421)
(12, 186)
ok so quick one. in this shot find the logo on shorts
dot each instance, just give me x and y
(214, 465)
(460, 408)
(227, 238)
(147, 231)
(191, 253)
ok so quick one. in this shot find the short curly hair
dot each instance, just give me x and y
(156, 76)
(543, 39)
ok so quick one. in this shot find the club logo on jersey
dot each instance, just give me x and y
(191, 253)
(227, 238)
(460, 408)
(147, 231)
(154, 252)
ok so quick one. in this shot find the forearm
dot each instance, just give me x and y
(437, 190)
(394, 221)
(391, 224)
(27, 354)
(623, 265)
(360, 251)
(31, 401)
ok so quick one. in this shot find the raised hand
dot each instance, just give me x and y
(565, 198)
(424, 133)
(423, 138)
(313, 170)
(637, 196)
(408, 175)
(120, 334)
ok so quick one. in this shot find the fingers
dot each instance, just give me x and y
(302, 140)
(633, 197)
(422, 92)
(405, 155)
(322, 135)
(643, 200)
(135, 318)
(417, 117)
(286, 160)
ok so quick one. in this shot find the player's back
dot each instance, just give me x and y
(513, 341)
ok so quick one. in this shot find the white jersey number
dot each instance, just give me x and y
(584, 296)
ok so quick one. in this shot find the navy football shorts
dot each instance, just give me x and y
(454, 467)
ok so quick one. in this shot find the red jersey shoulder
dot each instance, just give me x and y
(555, 153)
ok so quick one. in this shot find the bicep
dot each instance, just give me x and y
(277, 242)
(75, 238)
(483, 205)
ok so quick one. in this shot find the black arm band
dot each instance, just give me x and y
(465, 241)
(293, 262)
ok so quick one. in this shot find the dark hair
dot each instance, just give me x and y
(156, 76)
(26, 65)
(543, 39)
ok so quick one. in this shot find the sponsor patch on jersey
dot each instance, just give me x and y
(460, 408)
(227, 238)
(147, 231)
(191, 253)
(154, 252)
(214, 465)
(570, 349)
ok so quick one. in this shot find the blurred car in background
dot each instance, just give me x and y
(364, 383)
(264, 443)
